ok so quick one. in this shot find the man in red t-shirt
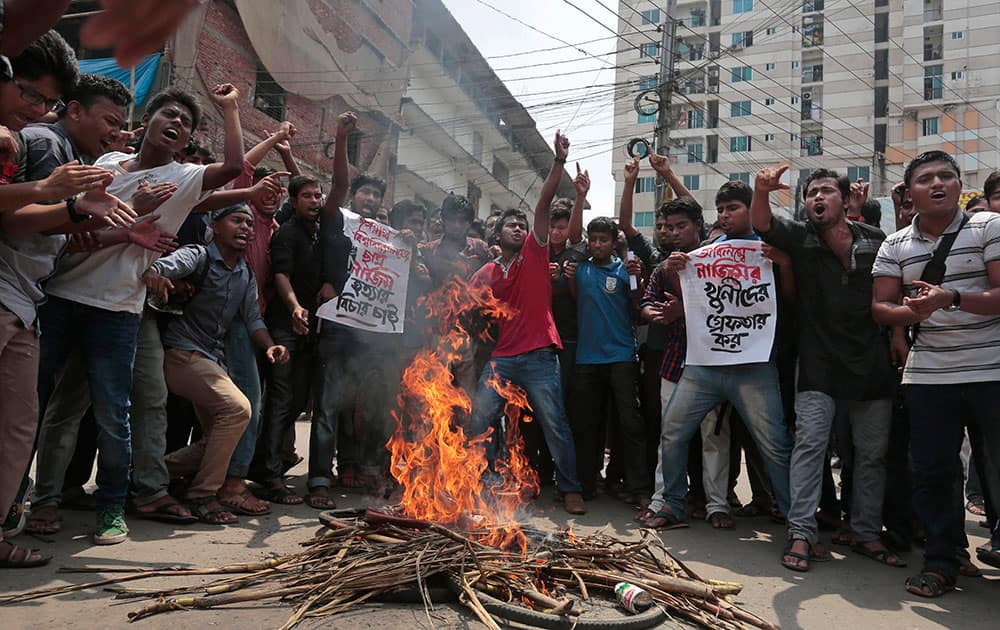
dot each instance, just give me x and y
(527, 343)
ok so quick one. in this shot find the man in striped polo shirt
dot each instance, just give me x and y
(952, 372)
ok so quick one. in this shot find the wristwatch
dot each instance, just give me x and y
(956, 301)
(75, 216)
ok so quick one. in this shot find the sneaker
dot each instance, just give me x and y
(17, 516)
(111, 527)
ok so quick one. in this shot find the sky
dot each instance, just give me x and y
(579, 98)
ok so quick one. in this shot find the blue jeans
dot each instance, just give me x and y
(753, 391)
(108, 341)
(537, 372)
(241, 361)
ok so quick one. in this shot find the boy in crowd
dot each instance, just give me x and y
(941, 275)
(606, 361)
(527, 343)
(194, 361)
(96, 300)
(843, 356)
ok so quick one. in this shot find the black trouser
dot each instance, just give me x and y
(592, 385)
(652, 406)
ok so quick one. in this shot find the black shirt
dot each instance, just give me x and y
(564, 304)
(295, 252)
(842, 351)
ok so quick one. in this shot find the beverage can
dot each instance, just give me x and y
(632, 598)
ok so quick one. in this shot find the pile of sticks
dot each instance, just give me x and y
(353, 561)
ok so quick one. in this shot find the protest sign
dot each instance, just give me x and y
(374, 296)
(730, 304)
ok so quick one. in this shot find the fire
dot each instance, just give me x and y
(439, 468)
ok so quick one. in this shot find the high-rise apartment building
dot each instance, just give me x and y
(860, 87)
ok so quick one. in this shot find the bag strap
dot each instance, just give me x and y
(936, 267)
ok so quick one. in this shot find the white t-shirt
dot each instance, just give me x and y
(951, 347)
(111, 278)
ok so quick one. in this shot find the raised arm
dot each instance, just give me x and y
(268, 189)
(259, 151)
(582, 186)
(284, 149)
(625, 203)
(543, 209)
(661, 164)
(341, 184)
(221, 173)
(768, 180)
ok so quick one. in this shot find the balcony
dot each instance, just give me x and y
(933, 10)
(933, 42)
(812, 74)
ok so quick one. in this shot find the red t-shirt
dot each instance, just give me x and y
(527, 287)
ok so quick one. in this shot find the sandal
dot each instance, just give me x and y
(209, 510)
(977, 506)
(801, 560)
(166, 510)
(929, 584)
(882, 554)
(44, 521)
(989, 554)
(21, 557)
(320, 499)
(243, 502)
(844, 537)
(664, 520)
(751, 510)
(721, 520)
(967, 569)
(281, 494)
(644, 516)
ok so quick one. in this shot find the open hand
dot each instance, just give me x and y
(267, 192)
(73, 178)
(123, 139)
(101, 205)
(134, 28)
(930, 297)
(148, 198)
(147, 235)
(769, 179)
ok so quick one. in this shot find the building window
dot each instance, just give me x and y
(477, 145)
(933, 84)
(696, 152)
(769, 66)
(742, 6)
(771, 30)
(881, 27)
(692, 182)
(742, 73)
(793, 137)
(696, 119)
(739, 143)
(795, 100)
(854, 173)
(958, 34)
(647, 83)
(769, 137)
(649, 50)
(739, 108)
(645, 184)
(740, 177)
(643, 119)
(500, 172)
(743, 38)
(795, 65)
(812, 145)
(651, 16)
(769, 100)
(645, 219)
(957, 75)
(268, 96)
(697, 17)
(808, 6)
(930, 126)
(474, 194)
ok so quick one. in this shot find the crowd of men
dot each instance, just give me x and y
(158, 313)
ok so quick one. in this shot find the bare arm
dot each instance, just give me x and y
(27, 20)
(221, 173)
(661, 164)
(341, 184)
(886, 308)
(104, 210)
(582, 186)
(543, 209)
(64, 181)
(258, 193)
(300, 316)
(625, 203)
(768, 179)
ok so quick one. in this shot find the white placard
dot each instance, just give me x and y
(374, 296)
(730, 304)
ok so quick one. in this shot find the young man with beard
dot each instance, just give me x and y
(527, 343)
(291, 317)
(194, 361)
(96, 300)
(952, 372)
(843, 357)
(752, 388)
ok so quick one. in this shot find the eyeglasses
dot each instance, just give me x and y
(33, 96)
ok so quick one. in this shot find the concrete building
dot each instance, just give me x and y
(816, 83)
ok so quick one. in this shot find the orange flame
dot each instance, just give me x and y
(440, 469)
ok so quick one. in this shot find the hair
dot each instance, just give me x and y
(403, 210)
(927, 157)
(991, 184)
(91, 87)
(735, 191)
(479, 227)
(180, 97)
(261, 172)
(454, 205)
(562, 202)
(871, 213)
(974, 200)
(207, 157)
(843, 184)
(49, 55)
(682, 205)
(364, 179)
(603, 225)
(558, 214)
(297, 183)
(510, 213)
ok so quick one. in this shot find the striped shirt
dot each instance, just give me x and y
(951, 347)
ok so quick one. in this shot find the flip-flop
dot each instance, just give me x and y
(803, 557)
(989, 554)
(236, 503)
(25, 561)
(43, 526)
(162, 514)
(929, 584)
(883, 555)
(281, 495)
(721, 520)
(669, 521)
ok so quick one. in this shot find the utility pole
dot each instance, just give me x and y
(664, 118)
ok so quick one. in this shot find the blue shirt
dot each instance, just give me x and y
(604, 314)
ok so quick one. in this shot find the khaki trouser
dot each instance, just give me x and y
(18, 403)
(223, 412)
